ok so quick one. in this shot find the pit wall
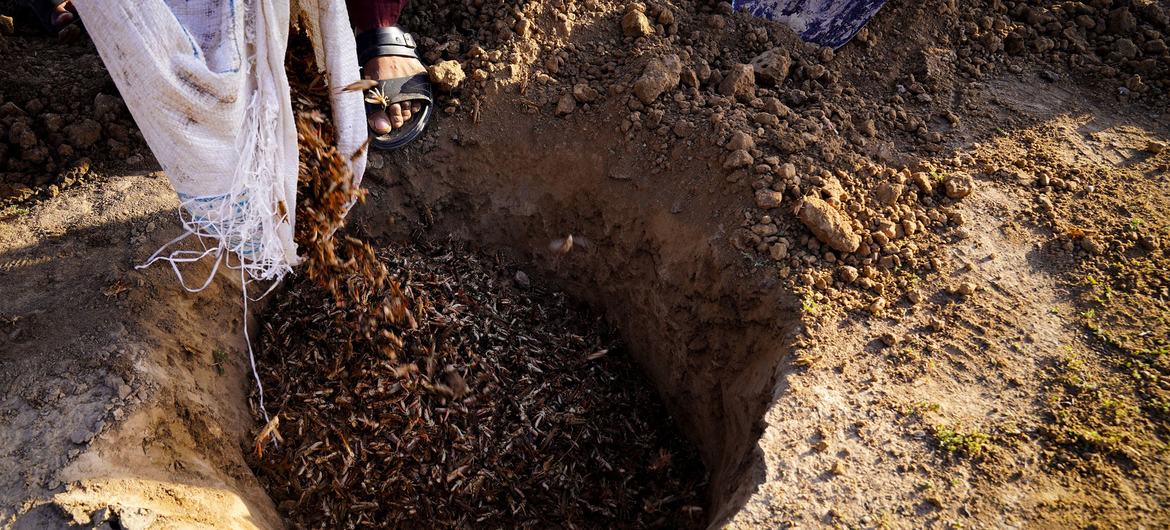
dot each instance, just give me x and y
(168, 449)
(123, 396)
(710, 332)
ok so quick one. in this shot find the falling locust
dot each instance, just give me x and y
(359, 85)
(564, 245)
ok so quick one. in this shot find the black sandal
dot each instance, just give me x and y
(393, 41)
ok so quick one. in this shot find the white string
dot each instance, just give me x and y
(244, 222)
(251, 355)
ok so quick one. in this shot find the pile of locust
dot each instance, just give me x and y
(420, 387)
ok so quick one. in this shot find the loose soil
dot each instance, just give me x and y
(915, 282)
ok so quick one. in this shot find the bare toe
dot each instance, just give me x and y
(380, 123)
(395, 113)
(62, 15)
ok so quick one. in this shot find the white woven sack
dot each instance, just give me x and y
(205, 82)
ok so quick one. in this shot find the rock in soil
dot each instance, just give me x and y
(566, 105)
(829, 225)
(772, 66)
(661, 74)
(740, 83)
(959, 185)
(446, 75)
(635, 23)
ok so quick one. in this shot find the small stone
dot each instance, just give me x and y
(124, 390)
(22, 135)
(764, 230)
(966, 288)
(1122, 21)
(958, 185)
(523, 27)
(922, 180)
(787, 171)
(1126, 48)
(738, 159)
(914, 297)
(566, 105)
(1155, 147)
(887, 194)
(81, 436)
(84, 133)
(848, 273)
(779, 251)
(889, 339)
(829, 225)
(772, 66)
(877, 306)
(105, 105)
(767, 199)
(375, 160)
(740, 140)
(937, 324)
(683, 129)
(522, 280)
(661, 74)
(584, 93)
(446, 75)
(1092, 246)
(740, 82)
(635, 23)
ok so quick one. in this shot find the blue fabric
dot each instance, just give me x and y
(830, 23)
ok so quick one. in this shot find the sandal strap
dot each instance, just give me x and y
(389, 40)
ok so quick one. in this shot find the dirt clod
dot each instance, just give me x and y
(84, 134)
(772, 66)
(829, 225)
(740, 82)
(768, 199)
(566, 105)
(661, 74)
(737, 159)
(446, 75)
(635, 23)
(959, 185)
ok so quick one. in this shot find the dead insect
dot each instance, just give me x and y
(377, 97)
(359, 85)
(596, 355)
(269, 432)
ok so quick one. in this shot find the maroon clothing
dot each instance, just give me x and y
(370, 14)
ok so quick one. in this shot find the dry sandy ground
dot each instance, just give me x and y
(995, 387)
(114, 394)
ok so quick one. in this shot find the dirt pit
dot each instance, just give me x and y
(506, 407)
(978, 342)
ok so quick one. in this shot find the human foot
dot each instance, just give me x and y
(63, 14)
(390, 67)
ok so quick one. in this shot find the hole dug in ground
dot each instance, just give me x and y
(511, 403)
(470, 390)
